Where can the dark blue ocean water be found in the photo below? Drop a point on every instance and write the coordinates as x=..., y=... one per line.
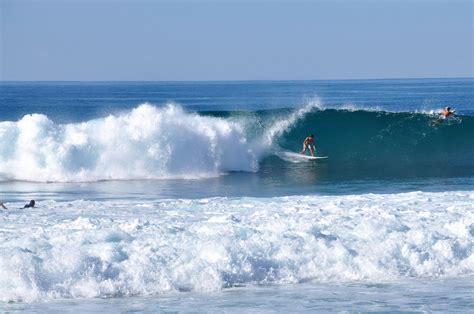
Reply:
x=82, y=101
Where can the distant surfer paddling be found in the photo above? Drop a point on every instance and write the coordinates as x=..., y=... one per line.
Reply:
x=309, y=143
x=445, y=113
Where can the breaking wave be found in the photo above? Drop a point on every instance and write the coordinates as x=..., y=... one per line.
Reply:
x=151, y=142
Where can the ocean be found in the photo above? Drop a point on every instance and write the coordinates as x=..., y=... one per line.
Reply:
x=190, y=196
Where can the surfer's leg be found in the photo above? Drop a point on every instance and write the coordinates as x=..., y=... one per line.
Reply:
x=304, y=149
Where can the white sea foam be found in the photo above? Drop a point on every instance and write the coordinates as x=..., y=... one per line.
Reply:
x=147, y=142
x=119, y=248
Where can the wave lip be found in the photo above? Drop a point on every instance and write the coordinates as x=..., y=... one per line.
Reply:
x=122, y=248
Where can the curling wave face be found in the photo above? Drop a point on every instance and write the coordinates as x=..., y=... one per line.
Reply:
x=123, y=248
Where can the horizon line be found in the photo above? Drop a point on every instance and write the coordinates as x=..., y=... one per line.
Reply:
x=240, y=80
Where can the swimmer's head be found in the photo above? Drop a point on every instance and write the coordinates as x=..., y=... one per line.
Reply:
x=311, y=135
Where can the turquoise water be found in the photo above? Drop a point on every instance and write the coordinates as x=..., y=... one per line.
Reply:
x=425, y=296
x=172, y=196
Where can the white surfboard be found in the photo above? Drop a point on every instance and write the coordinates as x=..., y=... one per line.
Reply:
x=314, y=157
x=296, y=157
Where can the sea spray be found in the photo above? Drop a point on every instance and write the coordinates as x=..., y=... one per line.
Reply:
x=280, y=126
x=147, y=142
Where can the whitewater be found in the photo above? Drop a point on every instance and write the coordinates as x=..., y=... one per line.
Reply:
x=145, y=143
x=90, y=249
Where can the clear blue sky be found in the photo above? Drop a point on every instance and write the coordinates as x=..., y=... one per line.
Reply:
x=234, y=40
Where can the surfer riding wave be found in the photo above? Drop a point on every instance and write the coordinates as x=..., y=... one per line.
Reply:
x=309, y=143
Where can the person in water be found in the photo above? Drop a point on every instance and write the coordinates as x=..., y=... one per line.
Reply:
x=30, y=204
x=447, y=111
x=3, y=205
x=309, y=143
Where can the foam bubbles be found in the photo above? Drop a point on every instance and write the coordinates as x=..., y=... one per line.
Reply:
x=122, y=248
x=147, y=142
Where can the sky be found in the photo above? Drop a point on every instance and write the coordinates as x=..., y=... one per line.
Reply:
x=194, y=40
